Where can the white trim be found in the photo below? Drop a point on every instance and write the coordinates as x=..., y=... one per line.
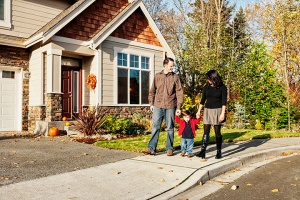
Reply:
x=71, y=41
x=6, y=23
x=54, y=52
x=66, y=20
x=134, y=43
x=100, y=71
x=37, y=38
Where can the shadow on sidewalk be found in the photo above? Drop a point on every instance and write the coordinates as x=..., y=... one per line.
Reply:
x=242, y=146
x=239, y=146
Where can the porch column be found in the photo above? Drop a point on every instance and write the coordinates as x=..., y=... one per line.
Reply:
x=54, y=96
x=54, y=71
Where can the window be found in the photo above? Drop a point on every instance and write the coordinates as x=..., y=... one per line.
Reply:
x=5, y=12
x=133, y=78
x=8, y=74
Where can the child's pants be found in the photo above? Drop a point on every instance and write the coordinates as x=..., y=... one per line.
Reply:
x=187, y=145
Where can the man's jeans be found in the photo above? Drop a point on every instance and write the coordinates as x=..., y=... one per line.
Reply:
x=187, y=145
x=158, y=115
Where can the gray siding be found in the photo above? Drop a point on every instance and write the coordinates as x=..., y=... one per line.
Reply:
x=28, y=16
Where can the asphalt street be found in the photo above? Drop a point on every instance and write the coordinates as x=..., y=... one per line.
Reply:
x=279, y=179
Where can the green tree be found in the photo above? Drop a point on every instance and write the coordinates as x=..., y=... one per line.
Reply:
x=260, y=89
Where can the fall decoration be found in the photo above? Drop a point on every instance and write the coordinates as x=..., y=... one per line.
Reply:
x=68, y=123
x=53, y=131
x=64, y=118
x=91, y=81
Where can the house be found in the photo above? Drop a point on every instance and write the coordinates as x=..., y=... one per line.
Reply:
x=48, y=49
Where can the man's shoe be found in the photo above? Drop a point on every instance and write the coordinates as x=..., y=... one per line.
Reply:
x=182, y=154
x=189, y=155
x=169, y=153
x=148, y=152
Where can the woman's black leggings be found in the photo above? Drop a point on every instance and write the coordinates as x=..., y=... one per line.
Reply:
x=217, y=129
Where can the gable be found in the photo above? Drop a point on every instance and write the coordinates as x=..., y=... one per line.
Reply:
x=137, y=28
x=93, y=19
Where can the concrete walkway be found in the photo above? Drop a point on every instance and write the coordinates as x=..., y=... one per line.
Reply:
x=148, y=177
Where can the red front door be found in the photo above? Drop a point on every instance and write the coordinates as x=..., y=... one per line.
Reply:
x=71, y=89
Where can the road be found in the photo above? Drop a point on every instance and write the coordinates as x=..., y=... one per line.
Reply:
x=279, y=179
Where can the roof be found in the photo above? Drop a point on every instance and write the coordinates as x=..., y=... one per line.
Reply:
x=61, y=20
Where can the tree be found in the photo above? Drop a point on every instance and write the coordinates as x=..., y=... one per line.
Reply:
x=284, y=36
x=261, y=92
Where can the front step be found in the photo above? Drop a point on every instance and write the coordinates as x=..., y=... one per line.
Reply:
x=42, y=127
x=72, y=132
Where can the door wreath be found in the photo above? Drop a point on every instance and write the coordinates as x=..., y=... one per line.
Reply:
x=91, y=81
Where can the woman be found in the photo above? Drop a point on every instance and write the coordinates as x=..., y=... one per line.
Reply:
x=214, y=99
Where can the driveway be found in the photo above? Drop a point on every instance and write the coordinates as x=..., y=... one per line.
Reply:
x=30, y=157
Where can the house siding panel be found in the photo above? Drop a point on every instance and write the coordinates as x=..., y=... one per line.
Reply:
x=93, y=19
x=36, y=80
x=30, y=16
x=136, y=28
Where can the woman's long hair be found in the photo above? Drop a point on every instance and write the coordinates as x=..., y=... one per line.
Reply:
x=215, y=78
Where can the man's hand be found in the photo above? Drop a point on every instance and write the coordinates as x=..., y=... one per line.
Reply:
x=178, y=112
x=151, y=108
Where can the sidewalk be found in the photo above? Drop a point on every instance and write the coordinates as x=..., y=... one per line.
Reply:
x=148, y=177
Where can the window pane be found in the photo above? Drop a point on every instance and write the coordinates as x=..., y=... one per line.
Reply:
x=134, y=61
x=1, y=9
x=145, y=62
x=75, y=92
x=122, y=86
x=122, y=59
x=145, y=86
x=8, y=74
x=134, y=86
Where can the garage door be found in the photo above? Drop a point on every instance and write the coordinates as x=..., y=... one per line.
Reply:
x=10, y=100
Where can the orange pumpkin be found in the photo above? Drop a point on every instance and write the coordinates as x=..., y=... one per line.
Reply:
x=53, y=131
x=64, y=118
x=68, y=123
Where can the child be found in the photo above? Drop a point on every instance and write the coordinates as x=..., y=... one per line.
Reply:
x=187, y=129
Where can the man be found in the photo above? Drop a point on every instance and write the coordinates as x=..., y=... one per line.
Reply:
x=165, y=99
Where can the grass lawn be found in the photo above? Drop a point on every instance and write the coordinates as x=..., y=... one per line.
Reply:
x=139, y=143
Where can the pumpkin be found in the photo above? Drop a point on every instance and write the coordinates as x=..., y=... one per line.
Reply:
x=53, y=131
x=64, y=118
x=68, y=123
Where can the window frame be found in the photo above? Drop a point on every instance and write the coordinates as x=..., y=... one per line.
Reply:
x=116, y=67
x=6, y=23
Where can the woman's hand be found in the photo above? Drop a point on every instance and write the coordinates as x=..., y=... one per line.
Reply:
x=222, y=117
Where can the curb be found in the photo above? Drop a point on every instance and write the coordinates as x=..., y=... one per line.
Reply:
x=204, y=174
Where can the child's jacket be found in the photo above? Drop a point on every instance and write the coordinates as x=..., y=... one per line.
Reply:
x=181, y=123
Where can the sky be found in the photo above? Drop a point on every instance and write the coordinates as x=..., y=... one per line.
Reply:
x=243, y=3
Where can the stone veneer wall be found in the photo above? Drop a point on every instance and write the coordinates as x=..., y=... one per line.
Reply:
x=35, y=113
x=18, y=57
x=128, y=111
x=53, y=107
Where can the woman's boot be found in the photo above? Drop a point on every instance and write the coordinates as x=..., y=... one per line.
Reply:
x=219, y=146
x=203, y=147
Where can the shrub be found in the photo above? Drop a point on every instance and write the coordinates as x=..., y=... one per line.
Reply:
x=90, y=121
x=117, y=125
x=141, y=122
